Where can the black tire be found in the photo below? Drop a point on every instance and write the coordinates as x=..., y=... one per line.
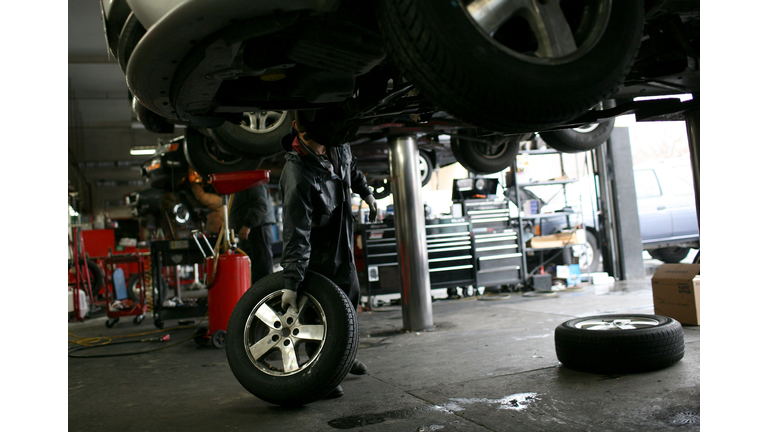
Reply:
x=207, y=157
x=484, y=155
x=138, y=319
x=469, y=291
x=111, y=322
x=95, y=273
x=500, y=83
x=588, y=253
x=258, y=135
x=594, y=344
x=130, y=35
x=426, y=167
x=579, y=139
x=132, y=288
x=670, y=255
x=318, y=369
x=380, y=188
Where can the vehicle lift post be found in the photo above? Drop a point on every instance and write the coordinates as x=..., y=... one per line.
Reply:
x=410, y=233
x=692, y=126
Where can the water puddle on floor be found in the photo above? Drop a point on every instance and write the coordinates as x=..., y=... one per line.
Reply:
x=517, y=402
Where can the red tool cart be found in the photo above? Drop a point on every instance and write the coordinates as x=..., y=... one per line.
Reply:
x=117, y=308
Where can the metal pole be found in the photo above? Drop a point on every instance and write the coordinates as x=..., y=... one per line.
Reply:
x=692, y=125
x=410, y=233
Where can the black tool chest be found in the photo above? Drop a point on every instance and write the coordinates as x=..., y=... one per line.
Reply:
x=498, y=260
x=479, y=249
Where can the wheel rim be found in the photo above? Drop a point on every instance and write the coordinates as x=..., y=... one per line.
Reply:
x=491, y=149
x=585, y=254
x=283, y=344
x=586, y=128
x=263, y=122
x=543, y=32
x=423, y=167
x=613, y=323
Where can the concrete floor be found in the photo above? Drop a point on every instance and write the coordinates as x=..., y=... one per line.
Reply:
x=489, y=366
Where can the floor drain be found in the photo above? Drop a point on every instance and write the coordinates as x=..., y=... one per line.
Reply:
x=686, y=418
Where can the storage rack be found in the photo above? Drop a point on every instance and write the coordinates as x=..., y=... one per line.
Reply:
x=538, y=219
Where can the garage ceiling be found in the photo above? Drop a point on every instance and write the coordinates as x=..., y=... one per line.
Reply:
x=102, y=128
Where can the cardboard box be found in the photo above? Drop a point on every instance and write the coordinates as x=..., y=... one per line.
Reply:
x=558, y=240
x=676, y=292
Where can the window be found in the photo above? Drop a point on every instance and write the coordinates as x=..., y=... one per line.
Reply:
x=646, y=184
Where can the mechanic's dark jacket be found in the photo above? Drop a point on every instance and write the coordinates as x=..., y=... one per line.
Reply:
x=252, y=208
x=317, y=212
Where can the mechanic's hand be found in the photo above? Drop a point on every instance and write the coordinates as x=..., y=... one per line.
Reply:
x=289, y=299
x=243, y=233
x=372, y=207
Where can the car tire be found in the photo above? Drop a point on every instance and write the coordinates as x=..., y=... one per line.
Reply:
x=616, y=344
x=288, y=367
x=206, y=157
x=579, y=139
x=498, y=82
x=426, y=168
x=258, y=135
x=95, y=272
x=670, y=255
x=484, y=156
x=588, y=254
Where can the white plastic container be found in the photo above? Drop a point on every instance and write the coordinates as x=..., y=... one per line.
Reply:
x=82, y=302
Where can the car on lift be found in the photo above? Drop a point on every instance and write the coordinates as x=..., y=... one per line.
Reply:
x=502, y=68
x=505, y=68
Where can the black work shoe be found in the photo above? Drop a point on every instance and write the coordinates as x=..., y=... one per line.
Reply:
x=337, y=392
x=358, y=368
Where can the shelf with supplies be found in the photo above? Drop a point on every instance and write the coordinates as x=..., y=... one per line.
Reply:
x=541, y=245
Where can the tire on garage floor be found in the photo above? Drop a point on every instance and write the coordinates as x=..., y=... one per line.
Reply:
x=615, y=344
x=289, y=358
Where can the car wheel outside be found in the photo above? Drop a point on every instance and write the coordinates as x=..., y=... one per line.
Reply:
x=206, y=157
x=257, y=135
x=526, y=66
x=588, y=254
x=613, y=344
x=297, y=357
x=670, y=255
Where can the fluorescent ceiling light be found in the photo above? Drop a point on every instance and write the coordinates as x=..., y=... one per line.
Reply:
x=143, y=151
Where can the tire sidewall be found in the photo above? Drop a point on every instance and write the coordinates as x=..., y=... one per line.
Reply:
x=204, y=164
x=235, y=139
x=333, y=361
x=569, y=326
x=571, y=141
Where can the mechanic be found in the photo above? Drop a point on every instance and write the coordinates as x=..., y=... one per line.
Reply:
x=253, y=217
x=317, y=207
x=212, y=201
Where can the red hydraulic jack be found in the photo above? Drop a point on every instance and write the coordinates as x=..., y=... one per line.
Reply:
x=229, y=268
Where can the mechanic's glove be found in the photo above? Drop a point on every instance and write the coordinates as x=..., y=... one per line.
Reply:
x=289, y=300
x=372, y=207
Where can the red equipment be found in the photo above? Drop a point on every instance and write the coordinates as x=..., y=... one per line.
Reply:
x=229, y=269
x=135, y=309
